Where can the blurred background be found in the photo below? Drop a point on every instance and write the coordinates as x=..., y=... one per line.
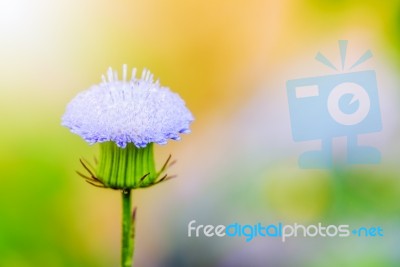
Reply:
x=230, y=61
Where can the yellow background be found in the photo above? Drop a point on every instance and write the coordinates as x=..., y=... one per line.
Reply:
x=229, y=60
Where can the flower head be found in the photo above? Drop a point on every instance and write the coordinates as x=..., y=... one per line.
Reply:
x=138, y=111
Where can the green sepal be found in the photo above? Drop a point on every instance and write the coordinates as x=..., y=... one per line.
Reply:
x=126, y=168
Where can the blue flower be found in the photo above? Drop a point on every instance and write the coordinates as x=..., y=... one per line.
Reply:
x=139, y=111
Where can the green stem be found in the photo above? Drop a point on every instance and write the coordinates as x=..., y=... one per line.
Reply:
x=128, y=230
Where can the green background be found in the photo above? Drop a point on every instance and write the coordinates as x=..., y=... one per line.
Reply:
x=229, y=60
